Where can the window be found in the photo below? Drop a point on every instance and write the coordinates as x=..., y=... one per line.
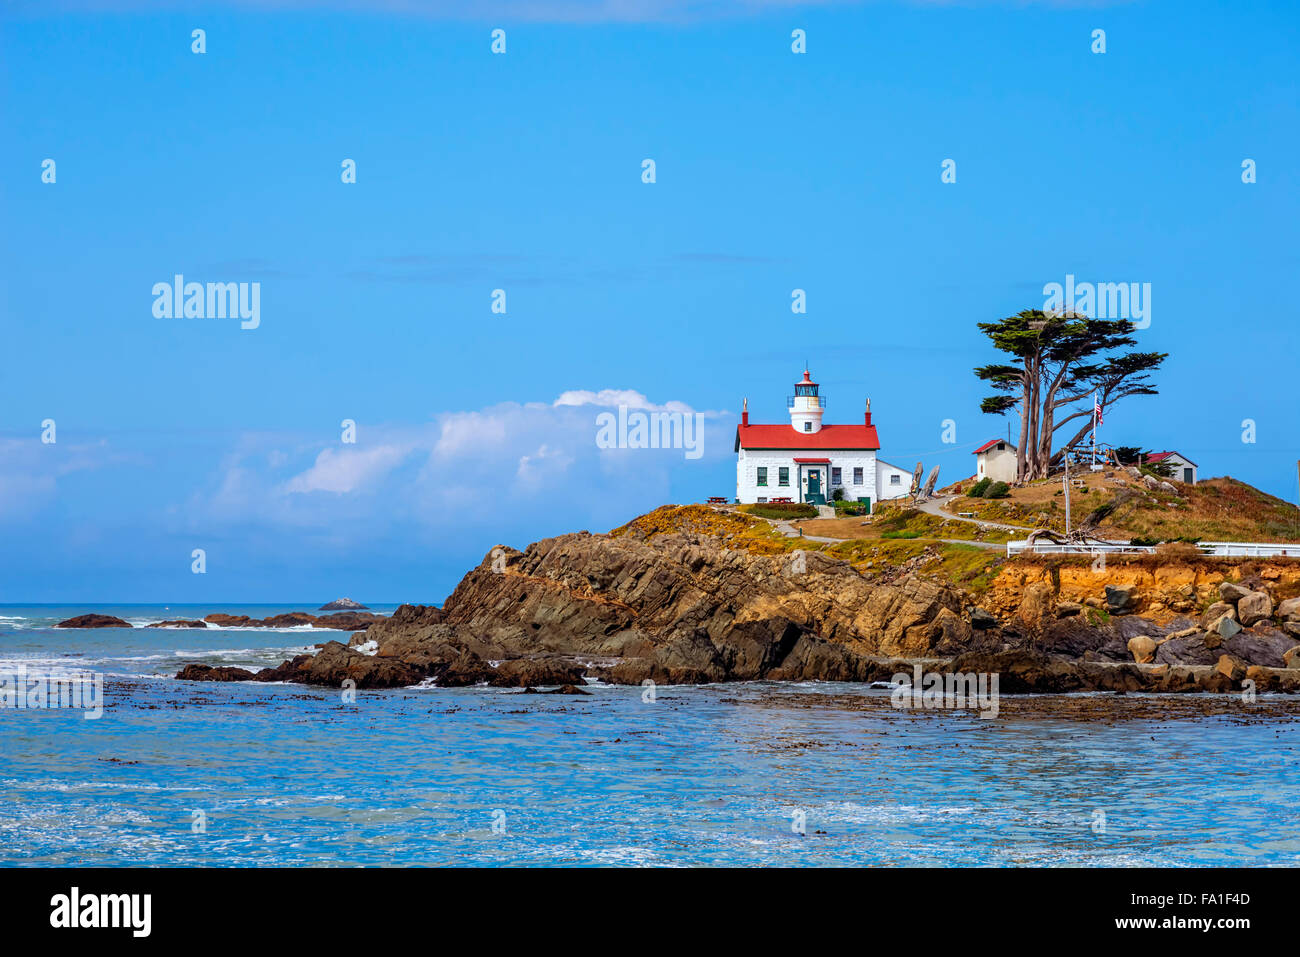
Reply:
x=762, y=476
x=807, y=426
x=783, y=476
x=762, y=499
x=895, y=479
x=857, y=476
x=835, y=477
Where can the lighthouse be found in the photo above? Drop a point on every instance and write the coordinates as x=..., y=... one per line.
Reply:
x=811, y=461
x=806, y=406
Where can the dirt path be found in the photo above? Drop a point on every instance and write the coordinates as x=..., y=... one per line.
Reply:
x=789, y=531
x=935, y=507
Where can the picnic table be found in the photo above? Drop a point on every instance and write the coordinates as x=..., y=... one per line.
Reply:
x=717, y=500
x=779, y=501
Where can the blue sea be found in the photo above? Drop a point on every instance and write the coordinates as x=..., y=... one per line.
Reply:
x=176, y=773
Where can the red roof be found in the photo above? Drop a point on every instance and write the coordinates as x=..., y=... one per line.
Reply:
x=989, y=444
x=1161, y=456
x=783, y=436
x=813, y=461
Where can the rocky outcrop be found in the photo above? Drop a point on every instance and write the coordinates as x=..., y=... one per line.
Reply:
x=178, y=623
x=343, y=621
x=343, y=604
x=678, y=608
x=93, y=621
x=681, y=605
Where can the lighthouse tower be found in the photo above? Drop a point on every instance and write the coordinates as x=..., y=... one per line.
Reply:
x=806, y=406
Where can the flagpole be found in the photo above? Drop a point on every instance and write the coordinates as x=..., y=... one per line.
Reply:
x=1094, y=430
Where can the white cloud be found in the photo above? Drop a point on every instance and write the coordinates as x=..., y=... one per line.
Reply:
x=346, y=470
x=613, y=398
x=461, y=470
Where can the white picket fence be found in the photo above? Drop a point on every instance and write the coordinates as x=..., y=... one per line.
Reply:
x=1220, y=549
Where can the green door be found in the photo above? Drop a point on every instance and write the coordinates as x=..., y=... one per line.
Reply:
x=815, y=496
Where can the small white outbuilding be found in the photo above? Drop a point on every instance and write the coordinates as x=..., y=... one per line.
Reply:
x=996, y=460
x=1184, y=468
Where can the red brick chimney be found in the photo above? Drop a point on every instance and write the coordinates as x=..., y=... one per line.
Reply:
x=868, y=412
x=744, y=415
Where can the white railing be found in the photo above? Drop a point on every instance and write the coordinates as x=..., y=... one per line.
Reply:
x=1052, y=548
x=1247, y=549
x=1219, y=549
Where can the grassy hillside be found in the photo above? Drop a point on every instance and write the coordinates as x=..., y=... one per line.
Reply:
x=1220, y=509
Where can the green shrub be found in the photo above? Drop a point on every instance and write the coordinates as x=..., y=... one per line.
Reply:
x=837, y=495
x=979, y=488
x=782, y=510
x=998, y=490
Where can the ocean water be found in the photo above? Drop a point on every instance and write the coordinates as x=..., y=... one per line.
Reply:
x=176, y=773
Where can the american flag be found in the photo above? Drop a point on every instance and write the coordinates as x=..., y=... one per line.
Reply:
x=1096, y=411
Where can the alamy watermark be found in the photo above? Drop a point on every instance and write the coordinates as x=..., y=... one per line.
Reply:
x=179, y=299
x=937, y=691
x=31, y=691
x=651, y=430
x=1101, y=300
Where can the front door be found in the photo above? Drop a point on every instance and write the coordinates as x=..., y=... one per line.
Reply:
x=1187, y=476
x=815, y=496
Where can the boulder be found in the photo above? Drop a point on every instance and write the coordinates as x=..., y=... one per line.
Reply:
x=1217, y=611
x=1225, y=625
x=1292, y=628
x=1067, y=609
x=1289, y=609
x=982, y=620
x=1232, y=668
x=1121, y=599
x=1143, y=649
x=1254, y=606
x=1231, y=592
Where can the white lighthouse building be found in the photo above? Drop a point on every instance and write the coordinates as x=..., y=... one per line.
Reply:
x=808, y=461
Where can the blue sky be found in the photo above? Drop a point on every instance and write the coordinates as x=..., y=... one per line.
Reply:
x=522, y=172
